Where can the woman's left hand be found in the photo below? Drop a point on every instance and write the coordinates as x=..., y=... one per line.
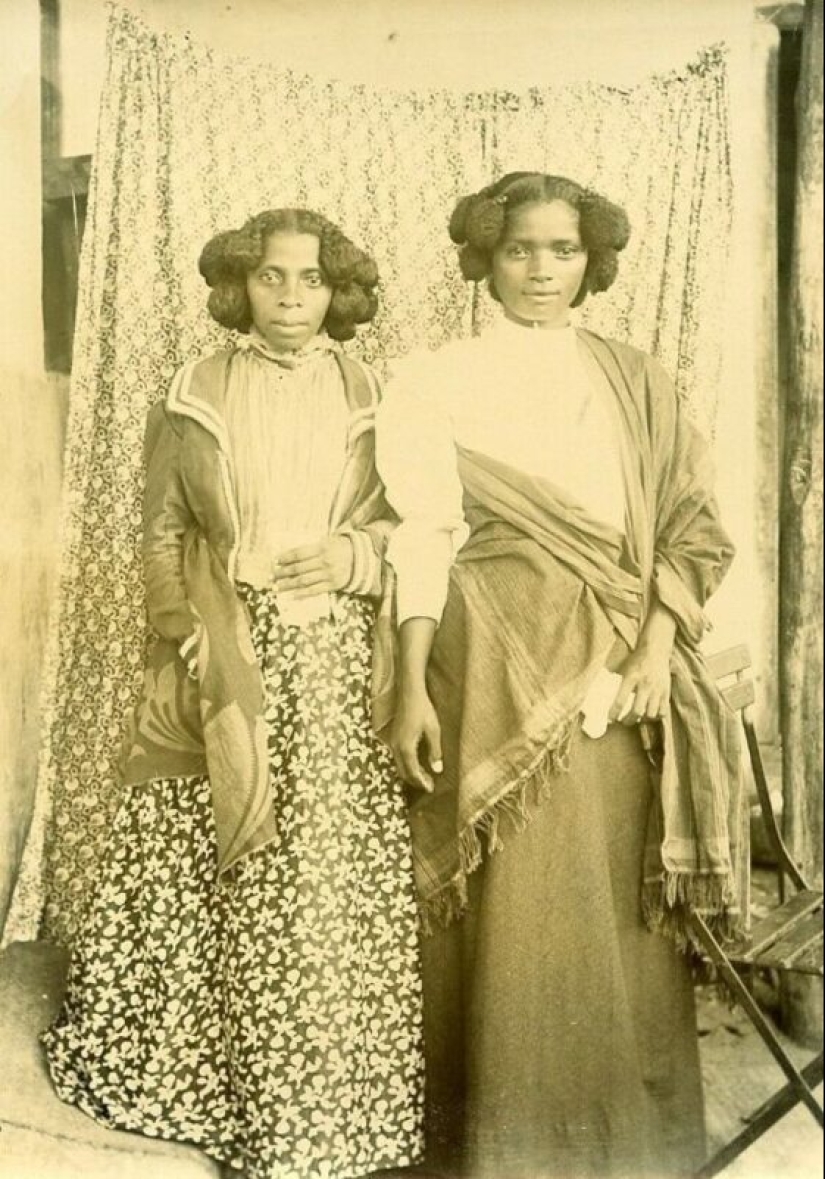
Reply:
x=323, y=567
x=645, y=691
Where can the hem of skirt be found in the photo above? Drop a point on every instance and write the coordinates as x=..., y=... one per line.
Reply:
x=235, y=1157
x=80, y=1096
x=121, y=1122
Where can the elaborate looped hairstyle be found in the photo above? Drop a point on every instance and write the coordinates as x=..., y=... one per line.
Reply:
x=479, y=221
x=229, y=257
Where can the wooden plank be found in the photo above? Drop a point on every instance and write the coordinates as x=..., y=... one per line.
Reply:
x=796, y=944
x=729, y=662
x=810, y=960
x=766, y=931
x=739, y=695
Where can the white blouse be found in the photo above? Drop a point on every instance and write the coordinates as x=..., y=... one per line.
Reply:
x=287, y=418
x=523, y=396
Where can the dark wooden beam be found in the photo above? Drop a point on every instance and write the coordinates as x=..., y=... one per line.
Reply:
x=801, y=514
x=66, y=177
x=50, y=95
x=801, y=540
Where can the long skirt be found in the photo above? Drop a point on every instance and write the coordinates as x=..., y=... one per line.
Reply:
x=274, y=1018
x=560, y=1032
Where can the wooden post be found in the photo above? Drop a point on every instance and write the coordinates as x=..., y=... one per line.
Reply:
x=765, y=58
x=50, y=102
x=801, y=597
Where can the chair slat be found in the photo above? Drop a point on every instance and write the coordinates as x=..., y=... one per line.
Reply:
x=794, y=944
x=789, y=937
x=729, y=661
x=739, y=695
x=770, y=928
x=810, y=960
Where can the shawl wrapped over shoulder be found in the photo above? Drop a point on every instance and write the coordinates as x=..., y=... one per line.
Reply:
x=214, y=723
x=540, y=595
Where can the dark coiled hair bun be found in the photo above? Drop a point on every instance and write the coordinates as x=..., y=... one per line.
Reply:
x=479, y=221
x=230, y=256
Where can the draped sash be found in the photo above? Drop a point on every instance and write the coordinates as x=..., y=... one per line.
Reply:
x=214, y=723
x=541, y=597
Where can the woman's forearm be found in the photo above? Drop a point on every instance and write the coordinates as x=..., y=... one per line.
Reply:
x=415, y=642
x=658, y=631
x=416, y=734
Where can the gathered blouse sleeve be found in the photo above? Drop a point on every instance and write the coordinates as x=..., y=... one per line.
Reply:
x=416, y=459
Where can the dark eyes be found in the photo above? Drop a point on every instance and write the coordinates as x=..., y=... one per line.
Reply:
x=313, y=279
x=563, y=251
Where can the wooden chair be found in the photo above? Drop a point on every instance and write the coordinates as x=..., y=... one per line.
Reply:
x=789, y=938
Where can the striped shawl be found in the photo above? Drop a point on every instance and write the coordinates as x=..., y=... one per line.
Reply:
x=540, y=597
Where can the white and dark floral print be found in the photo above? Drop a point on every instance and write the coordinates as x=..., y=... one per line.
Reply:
x=272, y=1018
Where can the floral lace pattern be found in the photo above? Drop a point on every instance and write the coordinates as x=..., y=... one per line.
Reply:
x=172, y=166
x=272, y=1019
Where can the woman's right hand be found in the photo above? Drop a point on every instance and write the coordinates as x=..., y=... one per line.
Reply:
x=415, y=739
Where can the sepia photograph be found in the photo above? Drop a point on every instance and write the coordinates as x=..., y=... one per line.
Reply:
x=411, y=589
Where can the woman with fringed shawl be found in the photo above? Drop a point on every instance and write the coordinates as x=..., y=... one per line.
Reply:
x=558, y=540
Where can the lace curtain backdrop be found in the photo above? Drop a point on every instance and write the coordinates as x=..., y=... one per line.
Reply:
x=191, y=142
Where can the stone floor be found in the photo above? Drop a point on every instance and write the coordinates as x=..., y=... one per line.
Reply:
x=40, y=1138
x=739, y=1074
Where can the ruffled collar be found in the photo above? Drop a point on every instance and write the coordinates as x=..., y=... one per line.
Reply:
x=316, y=348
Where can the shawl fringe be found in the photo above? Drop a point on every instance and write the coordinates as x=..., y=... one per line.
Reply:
x=515, y=803
x=668, y=902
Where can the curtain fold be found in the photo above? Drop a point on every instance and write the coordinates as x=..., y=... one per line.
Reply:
x=175, y=162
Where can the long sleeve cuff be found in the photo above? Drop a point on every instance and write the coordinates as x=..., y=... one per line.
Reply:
x=422, y=560
x=365, y=578
x=424, y=599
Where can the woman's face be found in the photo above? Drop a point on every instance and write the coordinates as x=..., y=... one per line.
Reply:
x=288, y=293
x=539, y=264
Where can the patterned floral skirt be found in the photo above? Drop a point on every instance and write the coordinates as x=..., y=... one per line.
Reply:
x=273, y=1018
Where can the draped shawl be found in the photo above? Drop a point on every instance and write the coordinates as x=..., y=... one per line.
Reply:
x=539, y=596
x=214, y=723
